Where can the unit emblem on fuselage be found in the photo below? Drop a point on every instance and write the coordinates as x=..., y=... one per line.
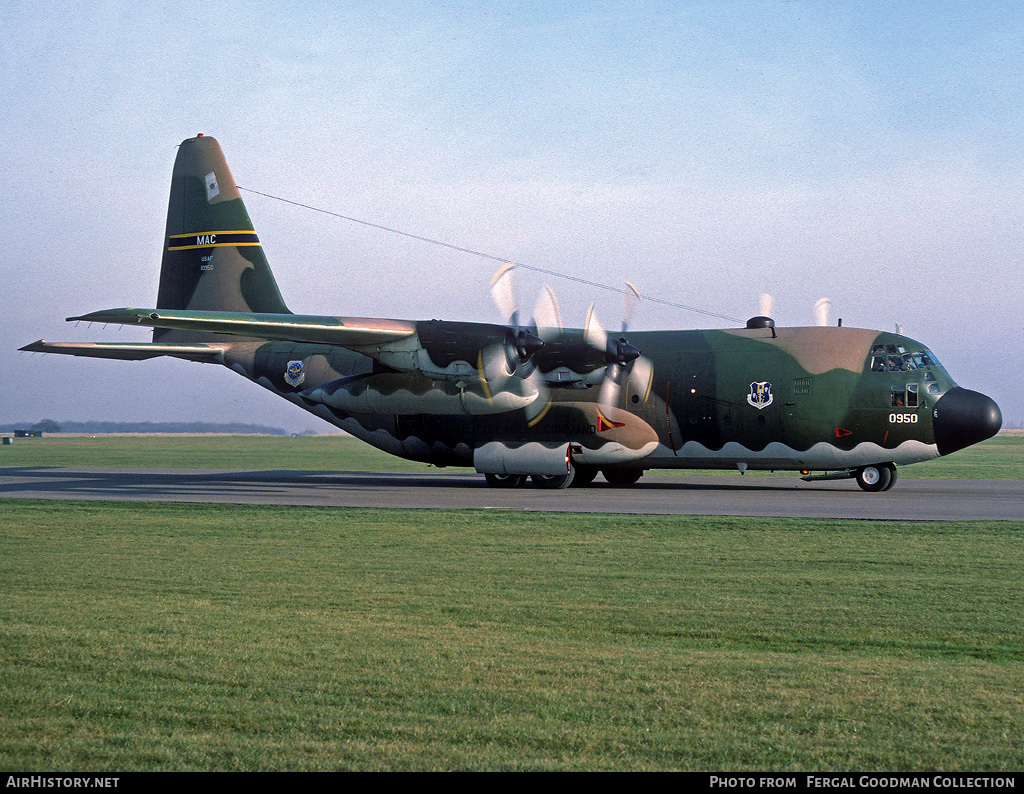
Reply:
x=760, y=394
x=294, y=375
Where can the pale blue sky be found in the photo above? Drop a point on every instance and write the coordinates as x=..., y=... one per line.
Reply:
x=870, y=152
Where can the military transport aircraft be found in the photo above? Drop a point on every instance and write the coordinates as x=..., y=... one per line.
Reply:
x=532, y=399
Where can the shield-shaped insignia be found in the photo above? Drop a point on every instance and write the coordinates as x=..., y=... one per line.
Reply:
x=760, y=394
x=212, y=188
x=294, y=374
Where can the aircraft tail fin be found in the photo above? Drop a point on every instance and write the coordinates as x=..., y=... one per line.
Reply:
x=212, y=259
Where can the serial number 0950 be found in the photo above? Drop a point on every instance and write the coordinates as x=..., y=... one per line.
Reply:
x=903, y=419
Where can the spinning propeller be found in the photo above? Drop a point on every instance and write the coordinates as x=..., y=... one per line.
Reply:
x=822, y=309
x=510, y=365
x=513, y=359
x=625, y=365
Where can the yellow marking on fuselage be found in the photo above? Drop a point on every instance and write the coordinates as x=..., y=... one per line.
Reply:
x=209, y=239
x=483, y=376
x=221, y=231
x=211, y=245
x=541, y=415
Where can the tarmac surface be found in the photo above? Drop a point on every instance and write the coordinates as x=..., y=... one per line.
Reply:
x=732, y=495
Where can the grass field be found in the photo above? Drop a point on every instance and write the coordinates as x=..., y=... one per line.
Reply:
x=208, y=637
x=999, y=458
x=149, y=636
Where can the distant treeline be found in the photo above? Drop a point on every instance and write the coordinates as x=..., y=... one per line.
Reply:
x=51, y=426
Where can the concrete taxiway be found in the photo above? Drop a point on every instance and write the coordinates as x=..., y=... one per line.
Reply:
x=910, y=499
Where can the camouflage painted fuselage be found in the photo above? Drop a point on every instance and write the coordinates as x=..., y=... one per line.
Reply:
x=821, y=405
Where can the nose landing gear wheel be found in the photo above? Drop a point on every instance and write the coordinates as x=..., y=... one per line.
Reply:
x=877, y=478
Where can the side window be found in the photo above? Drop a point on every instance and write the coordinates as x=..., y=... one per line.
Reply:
x=911, y=395
x=899, y=396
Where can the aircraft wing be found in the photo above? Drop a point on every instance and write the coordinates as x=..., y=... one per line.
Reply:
x=139, y=351
x=351, y=332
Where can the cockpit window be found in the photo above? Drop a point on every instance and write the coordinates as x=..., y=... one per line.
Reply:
x=893, y=358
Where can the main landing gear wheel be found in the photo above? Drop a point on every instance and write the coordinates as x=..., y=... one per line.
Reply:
x=554, y=481
x=622, y=476
x=877, y=478
x=505, y=480
x=584, y=476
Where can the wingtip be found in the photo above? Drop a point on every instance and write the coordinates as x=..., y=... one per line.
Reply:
x=121, y=316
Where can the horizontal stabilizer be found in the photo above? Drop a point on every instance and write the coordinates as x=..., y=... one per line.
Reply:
x=350, y=332
x=140, y=351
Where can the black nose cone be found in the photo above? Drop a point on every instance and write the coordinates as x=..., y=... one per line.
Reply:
x=963, y=417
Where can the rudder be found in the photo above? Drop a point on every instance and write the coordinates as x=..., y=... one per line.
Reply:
x=212, y=259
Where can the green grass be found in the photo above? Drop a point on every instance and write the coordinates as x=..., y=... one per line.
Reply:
x=999, y=458
x=149, y=636
x=209, y=637
x=304, y=453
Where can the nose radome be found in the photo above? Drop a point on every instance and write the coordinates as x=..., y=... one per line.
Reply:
x=963, y=417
